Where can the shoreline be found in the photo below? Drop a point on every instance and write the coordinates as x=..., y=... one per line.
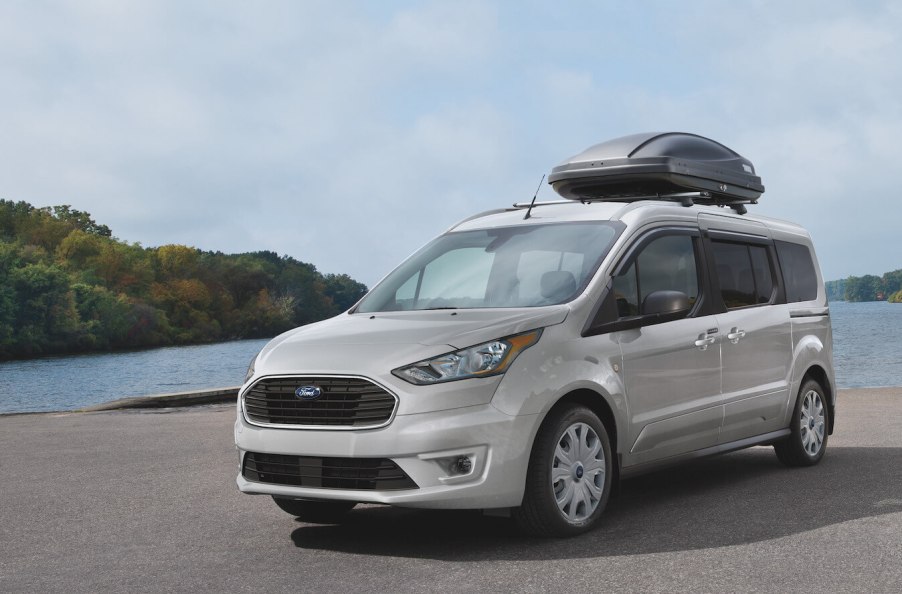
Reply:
x=168, y=400
x=120, y=351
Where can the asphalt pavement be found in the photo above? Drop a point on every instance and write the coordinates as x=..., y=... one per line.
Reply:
x=145, y=501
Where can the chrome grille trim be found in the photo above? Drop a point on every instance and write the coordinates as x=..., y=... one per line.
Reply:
x=374, y=401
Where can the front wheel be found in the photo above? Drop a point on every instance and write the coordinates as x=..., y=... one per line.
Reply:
x=315, y=511
x=568, y=482
x=807, y=441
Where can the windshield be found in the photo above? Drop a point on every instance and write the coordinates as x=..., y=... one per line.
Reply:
x=522, y=266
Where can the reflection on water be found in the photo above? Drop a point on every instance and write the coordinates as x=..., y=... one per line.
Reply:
x=866, y=344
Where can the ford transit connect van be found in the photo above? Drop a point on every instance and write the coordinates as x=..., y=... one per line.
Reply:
x=531, y=356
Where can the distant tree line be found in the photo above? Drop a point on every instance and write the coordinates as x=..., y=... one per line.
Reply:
x=867, y=288
x=67, y=285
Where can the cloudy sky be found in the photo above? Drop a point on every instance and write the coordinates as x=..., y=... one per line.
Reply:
x=346, y=134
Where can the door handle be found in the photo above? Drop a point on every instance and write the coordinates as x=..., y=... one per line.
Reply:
x=703, y=341
x=735, y=334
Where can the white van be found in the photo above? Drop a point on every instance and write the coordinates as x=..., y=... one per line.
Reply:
x=530, y=357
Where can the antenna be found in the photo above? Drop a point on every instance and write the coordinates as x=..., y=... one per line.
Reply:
x=531, y=204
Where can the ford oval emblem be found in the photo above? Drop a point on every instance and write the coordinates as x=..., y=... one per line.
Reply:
x=308, y=392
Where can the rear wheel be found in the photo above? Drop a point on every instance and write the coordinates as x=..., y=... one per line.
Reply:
x=315, y=511
x=568, y=482
x=807, y=441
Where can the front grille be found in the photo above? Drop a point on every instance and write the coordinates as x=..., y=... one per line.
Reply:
x=370, y=474
x=345, y=401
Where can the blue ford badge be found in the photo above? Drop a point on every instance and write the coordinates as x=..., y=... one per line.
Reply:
x=308, y=392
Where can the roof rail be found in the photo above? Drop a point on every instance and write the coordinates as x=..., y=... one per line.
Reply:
x=684, y=198
x=519, y=205
x=479, y=215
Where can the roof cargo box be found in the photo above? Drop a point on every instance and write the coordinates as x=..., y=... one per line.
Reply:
x=658, y=164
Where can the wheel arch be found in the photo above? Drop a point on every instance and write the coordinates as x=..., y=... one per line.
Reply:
x=597, y=403
x=819, y=374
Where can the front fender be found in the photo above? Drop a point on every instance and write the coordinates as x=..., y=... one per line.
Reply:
x=540, y=377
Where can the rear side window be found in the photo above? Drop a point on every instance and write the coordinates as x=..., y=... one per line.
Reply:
x=743, y=274
x=798, y=271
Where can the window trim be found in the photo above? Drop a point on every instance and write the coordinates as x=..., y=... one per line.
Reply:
x=737, y=237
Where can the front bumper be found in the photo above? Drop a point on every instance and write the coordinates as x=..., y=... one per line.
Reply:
x=424, y=446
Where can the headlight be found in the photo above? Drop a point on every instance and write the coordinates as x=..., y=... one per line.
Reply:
x=482, y=360
x=250, y=368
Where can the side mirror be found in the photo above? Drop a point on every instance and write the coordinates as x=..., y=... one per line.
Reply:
x=658, y=307
x=665, y=303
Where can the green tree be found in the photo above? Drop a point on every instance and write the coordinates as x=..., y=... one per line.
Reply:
x=67, y=285
x=13, y=217
x=343, y=290
x=892, y=281
x=80, y=220
x=862, y=288
x=46, y=318
x=79, y=253
x=148, y=326
x=9, y=259
x=123, y=268
x=177, y=261
x=44, y=230
x=836, y=290
x=104, y=317
x=186, y=302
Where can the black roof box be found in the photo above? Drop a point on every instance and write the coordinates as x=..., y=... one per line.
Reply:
x=658, y=164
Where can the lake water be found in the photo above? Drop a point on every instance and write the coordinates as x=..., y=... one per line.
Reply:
x=866, y=343
x=70, y=382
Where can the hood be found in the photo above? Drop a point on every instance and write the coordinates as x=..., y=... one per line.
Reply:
x=398, y=337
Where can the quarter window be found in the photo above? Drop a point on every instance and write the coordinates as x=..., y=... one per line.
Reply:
x=798, y=271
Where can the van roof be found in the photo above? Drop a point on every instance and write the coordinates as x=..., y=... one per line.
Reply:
x=632, y=213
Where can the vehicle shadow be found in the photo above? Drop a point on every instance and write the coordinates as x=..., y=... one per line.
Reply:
x=739, y=498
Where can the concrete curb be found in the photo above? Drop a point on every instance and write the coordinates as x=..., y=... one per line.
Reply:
x=168, y=400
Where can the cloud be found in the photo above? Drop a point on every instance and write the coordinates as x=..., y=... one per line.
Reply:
x=347, y=134
x=809, y=95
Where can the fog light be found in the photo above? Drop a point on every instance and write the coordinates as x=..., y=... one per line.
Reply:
x=463, y=465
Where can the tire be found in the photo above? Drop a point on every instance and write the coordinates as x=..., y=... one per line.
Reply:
x=565, y=493
x=315, y=512
x=807, y=441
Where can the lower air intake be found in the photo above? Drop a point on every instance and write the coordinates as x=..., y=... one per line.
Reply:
x=365, y=474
